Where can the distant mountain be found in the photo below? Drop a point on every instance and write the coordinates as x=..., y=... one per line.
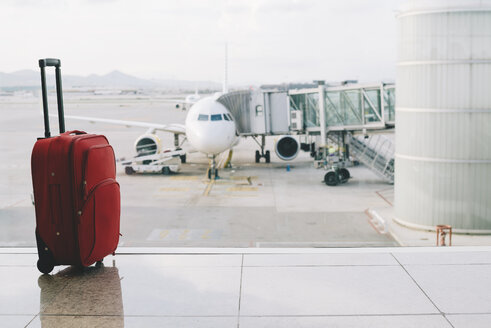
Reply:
x=115, y=79
x=24, y=78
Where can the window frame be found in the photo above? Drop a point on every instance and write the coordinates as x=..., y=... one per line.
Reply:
x=203, y=117
x=216, y=117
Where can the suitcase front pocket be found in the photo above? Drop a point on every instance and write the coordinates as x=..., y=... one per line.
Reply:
x=98, y=165
x=98, y=229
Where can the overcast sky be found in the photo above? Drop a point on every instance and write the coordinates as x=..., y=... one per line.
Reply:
x=269, y=40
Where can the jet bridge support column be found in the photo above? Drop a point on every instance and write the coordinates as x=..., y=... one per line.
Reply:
x=322, y=119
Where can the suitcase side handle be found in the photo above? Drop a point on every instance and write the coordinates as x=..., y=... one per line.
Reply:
x=43, y=63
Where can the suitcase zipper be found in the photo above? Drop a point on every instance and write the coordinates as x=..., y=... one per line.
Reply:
x=91, y=192
x=89, y=211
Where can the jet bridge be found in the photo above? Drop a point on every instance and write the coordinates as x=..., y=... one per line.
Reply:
x=260, y=113
x=335, y=113
x=345, y=108
x=315, y=111
x=320, y=114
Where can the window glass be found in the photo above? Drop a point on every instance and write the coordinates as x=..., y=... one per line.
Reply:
x=202, y=117
x=259, y=110
x=225, y=117
x=216, y=117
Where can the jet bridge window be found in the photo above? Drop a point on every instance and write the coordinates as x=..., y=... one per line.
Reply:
x=202, y=117
x=216, y=117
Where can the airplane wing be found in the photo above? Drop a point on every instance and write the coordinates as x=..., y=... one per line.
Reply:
x=172, y=128
x=179, y=102
x=171, y=100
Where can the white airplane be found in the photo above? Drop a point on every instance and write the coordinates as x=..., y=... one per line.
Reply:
x=185, y=102
x=209, y=128
x=190, y=100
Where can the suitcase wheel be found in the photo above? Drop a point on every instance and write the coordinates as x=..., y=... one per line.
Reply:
x=45, y=267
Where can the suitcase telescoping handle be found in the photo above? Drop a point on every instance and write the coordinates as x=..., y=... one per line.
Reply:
x=43, y=63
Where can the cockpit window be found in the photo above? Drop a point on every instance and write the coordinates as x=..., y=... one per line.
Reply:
x=229, y=116
x=202, y=117
x=216, y=117
x=225, y=117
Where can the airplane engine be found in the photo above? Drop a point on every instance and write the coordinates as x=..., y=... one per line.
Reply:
x=148, y=144
x=287, y=148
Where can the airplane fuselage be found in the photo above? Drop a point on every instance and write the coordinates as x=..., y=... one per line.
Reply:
x=210, y=128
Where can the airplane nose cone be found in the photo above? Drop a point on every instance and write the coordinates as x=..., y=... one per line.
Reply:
x=210, y=138
x=214, y=141
x=206, y=135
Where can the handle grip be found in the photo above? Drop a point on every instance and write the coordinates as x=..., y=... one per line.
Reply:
x=43, y=63
x=49, y=62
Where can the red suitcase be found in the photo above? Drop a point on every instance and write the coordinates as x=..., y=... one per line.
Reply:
x=76, y=196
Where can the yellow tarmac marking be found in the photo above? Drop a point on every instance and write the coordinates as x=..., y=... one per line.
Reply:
x=236, y=182
x=184, y=234
x=239, y=177
x=185, y=177
x=247, y=182
x=183, y=189
x=223, y=182
x=208, y=187
x=206, y=235
x=242, y=188
x=163, y=234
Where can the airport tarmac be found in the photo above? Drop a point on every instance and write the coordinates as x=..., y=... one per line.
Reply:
x=251, y=205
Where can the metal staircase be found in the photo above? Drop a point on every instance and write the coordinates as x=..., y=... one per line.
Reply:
x=376, y=152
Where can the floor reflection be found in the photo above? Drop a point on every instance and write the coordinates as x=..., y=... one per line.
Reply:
x=74, y=293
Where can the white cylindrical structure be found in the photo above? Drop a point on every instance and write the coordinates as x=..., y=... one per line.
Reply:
x=443, y=115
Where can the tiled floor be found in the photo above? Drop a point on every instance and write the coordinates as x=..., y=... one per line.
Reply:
x=243, y=288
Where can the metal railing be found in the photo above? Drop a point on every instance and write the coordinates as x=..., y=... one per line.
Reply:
x=376, y=152
x=346, y=107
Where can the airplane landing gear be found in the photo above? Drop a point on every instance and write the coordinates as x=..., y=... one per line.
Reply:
x=213, y=170
x=213, y=174
x=266, y=155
